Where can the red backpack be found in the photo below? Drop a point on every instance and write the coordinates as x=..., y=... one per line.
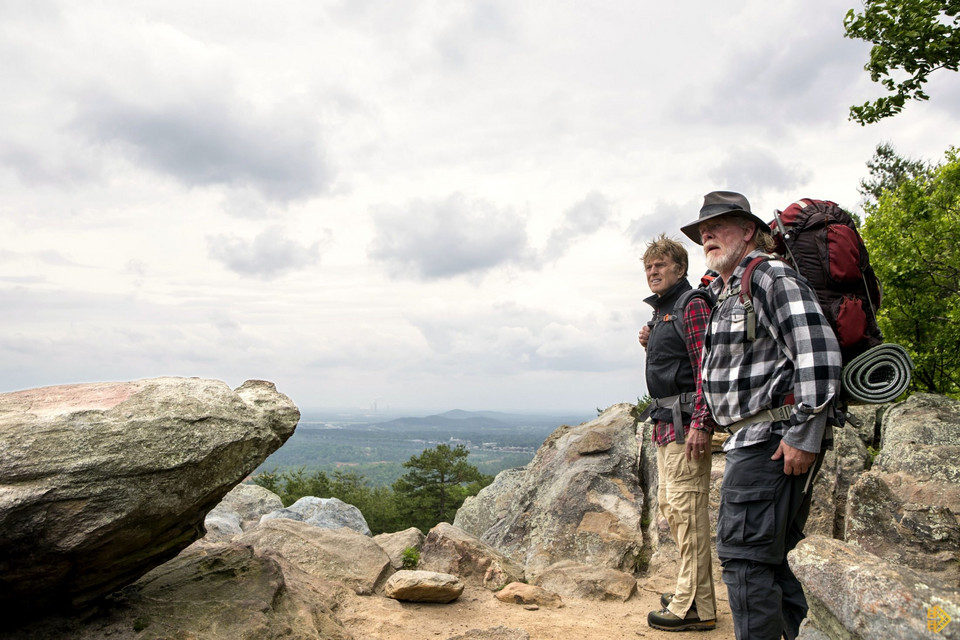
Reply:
x=820, y=240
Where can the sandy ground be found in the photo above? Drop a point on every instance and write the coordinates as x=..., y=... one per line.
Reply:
x=376, y=618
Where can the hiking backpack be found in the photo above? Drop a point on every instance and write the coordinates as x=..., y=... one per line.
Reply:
x=820, y=240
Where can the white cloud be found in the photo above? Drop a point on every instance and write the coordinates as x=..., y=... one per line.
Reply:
x=427, y=203
x=450, y=237
x=270, y=254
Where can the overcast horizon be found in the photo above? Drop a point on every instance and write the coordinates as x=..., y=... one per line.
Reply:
x=400, y=205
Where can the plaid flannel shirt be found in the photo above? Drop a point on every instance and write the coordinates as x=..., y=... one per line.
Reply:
x=695, y=317
x=795, y=352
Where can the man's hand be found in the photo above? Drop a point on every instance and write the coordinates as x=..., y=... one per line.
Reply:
x=644, y=335
x=698, y=444
x=795, y=461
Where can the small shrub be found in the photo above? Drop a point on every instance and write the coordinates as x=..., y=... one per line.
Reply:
x=411, y=558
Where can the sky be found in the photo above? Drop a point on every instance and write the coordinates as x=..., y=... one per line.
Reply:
x=405, y=205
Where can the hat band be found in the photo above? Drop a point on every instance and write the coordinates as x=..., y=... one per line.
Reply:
x=712, y=209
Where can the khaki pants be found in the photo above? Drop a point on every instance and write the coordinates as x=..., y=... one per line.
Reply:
x=684, y=495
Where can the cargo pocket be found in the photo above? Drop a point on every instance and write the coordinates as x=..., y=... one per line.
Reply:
x=747, y=516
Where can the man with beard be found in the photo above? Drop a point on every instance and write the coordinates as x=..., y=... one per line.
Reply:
x=674, y=342
x=774, y=392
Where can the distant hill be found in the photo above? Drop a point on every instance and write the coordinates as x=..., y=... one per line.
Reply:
x=377, y=449
x=458, y=421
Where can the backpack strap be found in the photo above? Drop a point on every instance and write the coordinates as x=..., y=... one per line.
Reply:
x=681, y=309
x=746, y=296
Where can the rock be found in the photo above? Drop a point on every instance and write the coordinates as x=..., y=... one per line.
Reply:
x=423, y=586
x=578, y=499
x=394, y=544
x=905, y=508
x=858, y=595
x=222, y=524
x=841, y=467
x=326, y=513
x=251, y=502
x=520, y=593
x=99, y=483
x=590, y=582
x=447, y=549
x=493, y=633
x=865, y=420
x=214, y=592
x=342, y=555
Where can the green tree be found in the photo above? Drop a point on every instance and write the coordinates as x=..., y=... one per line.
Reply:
x=913, y=235
x=888, y=170
x=437, y=483
x=910, y=37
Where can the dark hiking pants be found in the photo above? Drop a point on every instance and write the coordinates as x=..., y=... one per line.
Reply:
x=762, y=513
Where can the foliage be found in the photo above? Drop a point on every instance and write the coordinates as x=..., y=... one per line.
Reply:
x=888, y=170
x=410, y=558
x=913, y=236
x=642, y=404
x=437, y=483
x=910, y=37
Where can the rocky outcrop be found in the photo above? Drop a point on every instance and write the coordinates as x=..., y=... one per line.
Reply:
x=395, y=544
x=578, y=499
x=858, y=596
x=423, y=586
x=342, y=555
x=448, y=549
x=209, y=591
x=905, y=509
x=239, y=511
x=99, y=483
x=588, y=582
x=326, y=513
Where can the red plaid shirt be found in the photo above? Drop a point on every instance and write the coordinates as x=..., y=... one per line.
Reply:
x=696, y=316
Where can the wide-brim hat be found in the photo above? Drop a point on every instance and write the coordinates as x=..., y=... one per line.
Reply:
x=716, y=204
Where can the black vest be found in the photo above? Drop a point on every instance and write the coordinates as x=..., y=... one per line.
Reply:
x=668, y=367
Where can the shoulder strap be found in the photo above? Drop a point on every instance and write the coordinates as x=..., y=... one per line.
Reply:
x=746, y=296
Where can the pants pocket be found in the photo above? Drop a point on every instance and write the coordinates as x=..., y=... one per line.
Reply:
x=747, y=516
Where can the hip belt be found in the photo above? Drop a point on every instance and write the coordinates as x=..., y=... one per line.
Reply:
x=767, y=415
x=677, y=404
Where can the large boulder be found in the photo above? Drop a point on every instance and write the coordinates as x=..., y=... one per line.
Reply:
x=394, y=544
x=578, y=499
x=341, y=555
x=423, y=586
x=905, y=508
x=448, y=549
x=99, y=483
x=209, y=591
x=857, y=595
x=326, y=513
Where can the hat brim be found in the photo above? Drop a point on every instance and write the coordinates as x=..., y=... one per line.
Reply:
x=692, y=229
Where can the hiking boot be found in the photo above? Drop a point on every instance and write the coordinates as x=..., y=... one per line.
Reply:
x=667, y=598
x=666, y=621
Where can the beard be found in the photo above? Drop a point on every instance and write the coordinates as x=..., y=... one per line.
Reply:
x=725, y=260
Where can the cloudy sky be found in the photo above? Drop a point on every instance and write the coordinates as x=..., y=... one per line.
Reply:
x=413, y=205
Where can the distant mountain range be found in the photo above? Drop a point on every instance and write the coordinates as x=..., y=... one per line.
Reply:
x=458, y=421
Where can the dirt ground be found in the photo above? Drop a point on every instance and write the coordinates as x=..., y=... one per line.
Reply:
x=376, y=618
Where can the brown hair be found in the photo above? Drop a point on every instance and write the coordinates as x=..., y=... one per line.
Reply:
x=667, y=248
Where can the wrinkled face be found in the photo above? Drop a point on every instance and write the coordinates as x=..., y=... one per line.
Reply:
x=662, y=273
x=724, y=242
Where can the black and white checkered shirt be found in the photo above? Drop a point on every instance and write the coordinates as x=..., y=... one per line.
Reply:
x=795, y=352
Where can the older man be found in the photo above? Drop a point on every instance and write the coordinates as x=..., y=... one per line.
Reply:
x=774, y=390
x=674, y=342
